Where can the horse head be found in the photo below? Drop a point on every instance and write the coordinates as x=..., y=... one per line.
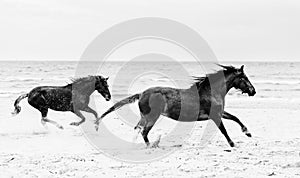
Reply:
x=102, y=87
x=242, y=82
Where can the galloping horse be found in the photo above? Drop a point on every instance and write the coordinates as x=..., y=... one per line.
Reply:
x=204, y=100
x=73, y=97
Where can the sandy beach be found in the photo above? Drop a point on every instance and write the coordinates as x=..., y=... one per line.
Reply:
x=30, y=150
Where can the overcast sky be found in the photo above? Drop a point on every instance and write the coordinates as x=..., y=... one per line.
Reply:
x=234, y=29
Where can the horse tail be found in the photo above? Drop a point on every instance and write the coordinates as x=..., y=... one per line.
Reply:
x=128, y=100
x=16, y=104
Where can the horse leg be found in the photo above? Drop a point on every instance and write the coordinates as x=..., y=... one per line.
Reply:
x=147, y=122
x=216, y=117
x=90, y=110
x=145, y=133
x=44, y=112
x=224, y=132
x=150, y=112
x=228, y=116
x=139, y=127
x=44, y=115
x=79, y=114
x=38, y=101
x=145, y=125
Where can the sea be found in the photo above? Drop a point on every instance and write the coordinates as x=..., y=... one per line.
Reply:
x=271, y=79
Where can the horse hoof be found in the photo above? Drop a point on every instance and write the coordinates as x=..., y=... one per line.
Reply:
x=96, y=127
x=155, y=144
x=13, y=114
x=43, y=123
x=74, y=124
x=231, y=144
x=248, y=134
x=45, y=126
x=97, y=121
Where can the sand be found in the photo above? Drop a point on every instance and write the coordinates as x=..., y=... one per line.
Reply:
x=27, y=149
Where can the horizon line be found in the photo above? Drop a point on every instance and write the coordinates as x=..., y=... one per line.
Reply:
x=67, y=60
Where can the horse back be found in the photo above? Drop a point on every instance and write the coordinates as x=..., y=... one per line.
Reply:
x=53, y=97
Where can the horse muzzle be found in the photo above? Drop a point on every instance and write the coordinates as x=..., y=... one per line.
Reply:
x=107, y=97
x=251, y=92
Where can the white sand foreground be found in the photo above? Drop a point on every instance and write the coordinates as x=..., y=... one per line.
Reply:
x=27, y=149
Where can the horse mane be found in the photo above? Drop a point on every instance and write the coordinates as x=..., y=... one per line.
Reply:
x=201, y=81
x=78, y=80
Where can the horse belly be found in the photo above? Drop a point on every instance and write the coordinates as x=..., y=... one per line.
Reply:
x=60, y=105
x=188, y=113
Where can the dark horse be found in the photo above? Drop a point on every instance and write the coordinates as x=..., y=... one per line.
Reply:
x=204, y=100
x=73, y=97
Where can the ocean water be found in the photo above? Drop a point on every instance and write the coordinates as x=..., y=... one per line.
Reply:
x=271, y=79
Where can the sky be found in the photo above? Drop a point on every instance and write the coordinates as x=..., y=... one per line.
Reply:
x=236, y=30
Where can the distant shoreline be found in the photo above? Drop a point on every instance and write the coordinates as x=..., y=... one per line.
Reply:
x=116, y=61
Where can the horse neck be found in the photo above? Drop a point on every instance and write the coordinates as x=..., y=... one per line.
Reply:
x=223, y=84
x=85, y=88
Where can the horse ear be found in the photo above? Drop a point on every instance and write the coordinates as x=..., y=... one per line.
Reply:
x=98, y=78
x=242, y=68
x=106, y=78
x=229, y=68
